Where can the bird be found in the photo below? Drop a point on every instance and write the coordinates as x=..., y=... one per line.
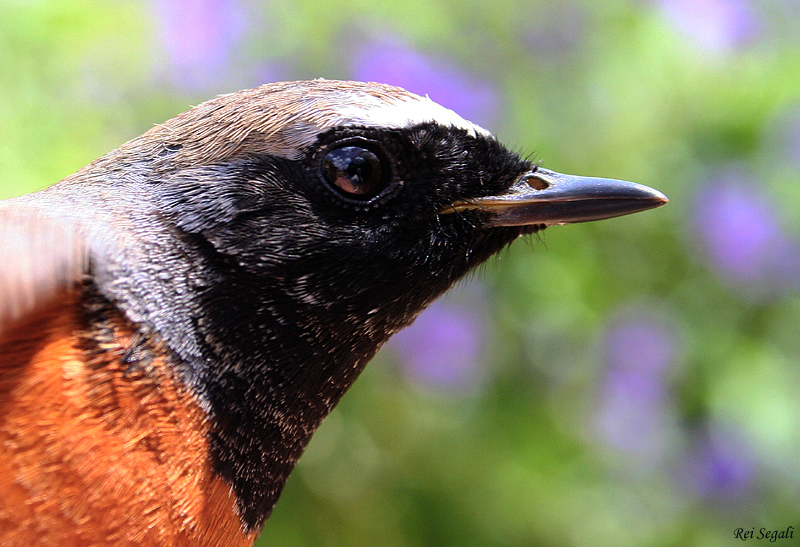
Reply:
x=178, y=317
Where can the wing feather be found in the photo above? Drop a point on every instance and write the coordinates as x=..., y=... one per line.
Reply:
x=40, y=257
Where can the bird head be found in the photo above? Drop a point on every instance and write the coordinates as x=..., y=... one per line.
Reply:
x=360, y=198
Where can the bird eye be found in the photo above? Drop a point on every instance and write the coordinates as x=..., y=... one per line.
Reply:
x=355, y=171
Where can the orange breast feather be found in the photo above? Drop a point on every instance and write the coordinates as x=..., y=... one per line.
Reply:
x=96, y=452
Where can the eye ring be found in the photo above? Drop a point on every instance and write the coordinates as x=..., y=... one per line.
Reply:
x=358, y=171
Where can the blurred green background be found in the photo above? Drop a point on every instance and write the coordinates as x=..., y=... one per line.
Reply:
x=631, y=382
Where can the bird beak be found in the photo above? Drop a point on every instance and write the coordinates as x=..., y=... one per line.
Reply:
x=547, y=197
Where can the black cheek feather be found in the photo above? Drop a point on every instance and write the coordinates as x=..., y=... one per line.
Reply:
x=301, y=288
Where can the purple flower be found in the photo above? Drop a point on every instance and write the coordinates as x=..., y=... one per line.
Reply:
x=739, y=232
x=717, y=26
x=633, y=407
x=640, y=342
x=396, y=64
x=444, y=347
x=721, y=464
x=199, y=37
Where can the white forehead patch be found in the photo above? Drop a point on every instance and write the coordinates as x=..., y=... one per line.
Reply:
x=284, y=119
x=401, y=112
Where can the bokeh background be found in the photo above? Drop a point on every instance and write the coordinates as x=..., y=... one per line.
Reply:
x=632, y=382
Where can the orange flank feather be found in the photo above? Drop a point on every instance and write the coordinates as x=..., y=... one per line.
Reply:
x=97, y=451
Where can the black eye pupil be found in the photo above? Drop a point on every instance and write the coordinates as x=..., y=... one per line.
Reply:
x=354, y=170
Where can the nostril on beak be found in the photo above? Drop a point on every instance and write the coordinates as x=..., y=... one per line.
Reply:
x=534, y=182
